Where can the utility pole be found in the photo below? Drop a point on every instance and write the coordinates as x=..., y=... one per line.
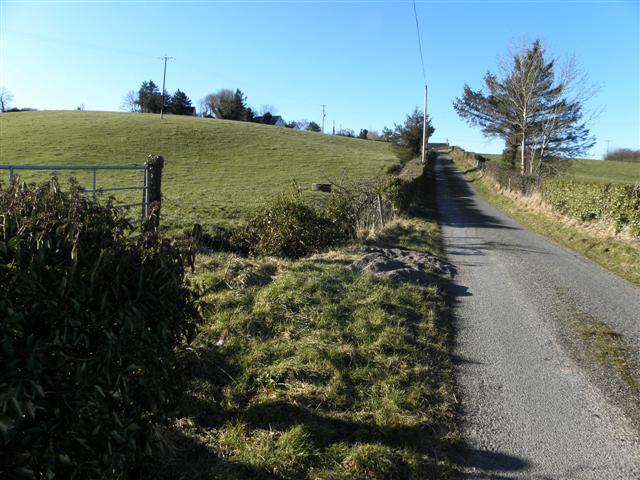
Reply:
x=164, y=77
x=608, y=142
x=334, y=127
x=424, y=127
x=323, y=115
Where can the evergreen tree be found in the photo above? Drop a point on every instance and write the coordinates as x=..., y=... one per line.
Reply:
x=239, y=106
x=266, y=118
x=149, y=97
x=180, y=104
x=531, y=109
x=408, y=136
x=313, y=127
x=249, y=114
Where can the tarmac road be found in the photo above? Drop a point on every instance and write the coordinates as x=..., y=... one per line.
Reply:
x=529, y=409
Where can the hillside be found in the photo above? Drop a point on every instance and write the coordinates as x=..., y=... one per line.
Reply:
x=603, y=170
x=595, y=170
x=215, y=170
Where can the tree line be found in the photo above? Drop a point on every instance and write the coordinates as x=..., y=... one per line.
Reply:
x=623, y=155
x=149, y=99
x=229, y=104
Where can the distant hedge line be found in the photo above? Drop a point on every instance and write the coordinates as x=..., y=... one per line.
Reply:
x=614, y=202
x=510, y=179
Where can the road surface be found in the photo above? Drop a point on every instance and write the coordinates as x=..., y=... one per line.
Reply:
x=529, y=410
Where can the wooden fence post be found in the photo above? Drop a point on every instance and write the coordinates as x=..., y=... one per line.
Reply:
x=380, y=210
x=154, y=165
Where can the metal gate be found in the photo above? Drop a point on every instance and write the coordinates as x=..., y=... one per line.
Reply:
x=94, y=190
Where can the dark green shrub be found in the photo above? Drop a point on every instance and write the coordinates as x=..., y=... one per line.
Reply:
x=400, y=192
x=290, y=228
x=91, y=319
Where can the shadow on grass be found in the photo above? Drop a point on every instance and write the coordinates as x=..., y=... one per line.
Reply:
x=191, y=454
x=192, y=459
x=198, y=454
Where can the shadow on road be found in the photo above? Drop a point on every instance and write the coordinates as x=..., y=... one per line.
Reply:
x=486, y=464
x=457, y=208
x=463, y=213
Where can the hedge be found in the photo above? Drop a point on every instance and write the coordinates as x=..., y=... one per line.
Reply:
x=617, y=203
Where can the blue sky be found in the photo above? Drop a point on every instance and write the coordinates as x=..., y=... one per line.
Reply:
x=360, y=58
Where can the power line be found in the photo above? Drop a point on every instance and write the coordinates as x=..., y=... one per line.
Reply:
x=415, y=14
x=425, y=137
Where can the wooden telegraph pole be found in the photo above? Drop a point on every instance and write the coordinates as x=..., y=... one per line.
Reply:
x=164, y=77
x=425, y=139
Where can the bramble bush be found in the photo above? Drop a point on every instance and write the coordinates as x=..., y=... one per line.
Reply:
x=617, y=203
x=291, y=227
x=91, y=321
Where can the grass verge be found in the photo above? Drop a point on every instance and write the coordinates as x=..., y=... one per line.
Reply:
x=307, y=370
x=615, y=254
x=607, y=348
x=418, y=230
x=608, y=360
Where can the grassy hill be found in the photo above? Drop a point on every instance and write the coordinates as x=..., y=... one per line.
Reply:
x=215, y=170
x=595, y=170
x=603, y=170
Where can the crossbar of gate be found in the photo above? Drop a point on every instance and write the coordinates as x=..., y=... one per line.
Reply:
x=94, y=180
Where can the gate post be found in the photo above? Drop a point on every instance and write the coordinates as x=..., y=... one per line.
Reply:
x=153, y=175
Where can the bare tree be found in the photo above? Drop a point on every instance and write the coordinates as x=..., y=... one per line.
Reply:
x=268, y=109
x=130, y=102
x=302, y=124
x=6, y=97
x=227, y=104
x=203, y=108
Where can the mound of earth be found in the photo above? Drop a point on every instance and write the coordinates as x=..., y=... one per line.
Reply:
x=402, y=266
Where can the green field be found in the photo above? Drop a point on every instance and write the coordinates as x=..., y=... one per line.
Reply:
x=216, y=171
x=603, y=170
x=594, y=170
